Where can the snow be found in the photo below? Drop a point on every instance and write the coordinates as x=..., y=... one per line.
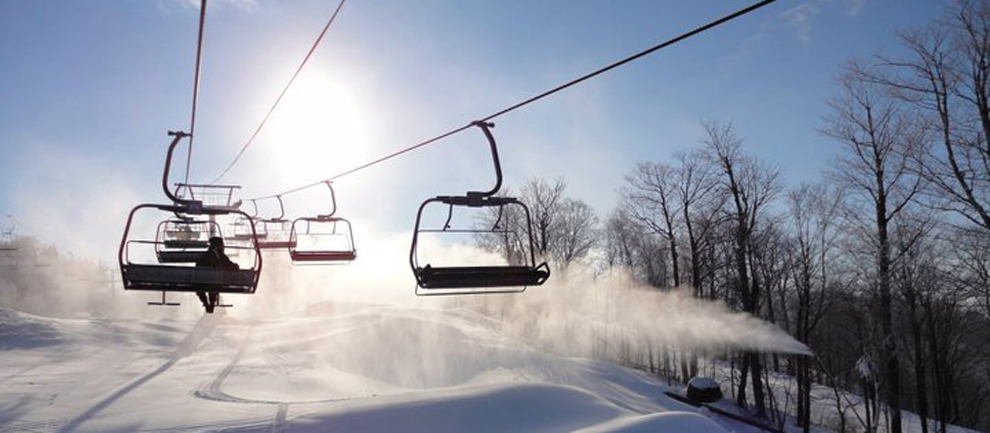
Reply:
x=362, y=368
x=703, y=383
x=661, y=422
x=865, y=368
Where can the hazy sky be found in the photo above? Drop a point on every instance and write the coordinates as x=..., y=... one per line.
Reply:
x=89, y=89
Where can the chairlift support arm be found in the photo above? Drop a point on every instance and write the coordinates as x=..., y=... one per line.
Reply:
x=193, y=206
x=486, y=128
x=333, y=201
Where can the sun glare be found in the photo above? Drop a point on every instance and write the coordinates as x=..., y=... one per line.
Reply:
x=317, y=130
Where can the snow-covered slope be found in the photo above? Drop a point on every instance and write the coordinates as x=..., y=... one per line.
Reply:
x=360, y=369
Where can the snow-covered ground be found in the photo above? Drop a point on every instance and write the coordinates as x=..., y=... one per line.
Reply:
x=357, y=368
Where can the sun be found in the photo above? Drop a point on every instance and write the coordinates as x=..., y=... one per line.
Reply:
x=317, y=130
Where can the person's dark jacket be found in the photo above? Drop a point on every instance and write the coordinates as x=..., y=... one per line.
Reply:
x=216, y=259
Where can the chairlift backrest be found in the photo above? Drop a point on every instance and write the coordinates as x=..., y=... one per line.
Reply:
x=241, y=229
x=277, y=229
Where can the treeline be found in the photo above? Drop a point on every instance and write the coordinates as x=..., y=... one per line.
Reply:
x=36, y=278
x=882, y=268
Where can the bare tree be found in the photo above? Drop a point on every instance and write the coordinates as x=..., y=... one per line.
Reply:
x=946, y=76
x=881, y=145
x=545, y=199
x=649, y=198
x=503, y=230
x=815, y=212
x=750, y=186
x=631, y=245
x=577, y=232
x=563, y=229
x=699, y=202
x=621, y=240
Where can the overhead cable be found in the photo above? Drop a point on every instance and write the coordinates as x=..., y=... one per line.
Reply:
x=199, y=57
x=578, y=80
x=284, y=90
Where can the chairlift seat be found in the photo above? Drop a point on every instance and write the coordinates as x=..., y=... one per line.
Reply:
x=247, y=236
x=310, y=253
x=322, y=256
x=273, y=245
x=452, y=277
x=188, y=279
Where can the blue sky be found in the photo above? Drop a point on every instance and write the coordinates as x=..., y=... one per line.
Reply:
x=89, y=89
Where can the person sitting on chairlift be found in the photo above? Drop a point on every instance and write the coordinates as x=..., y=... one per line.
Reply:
x=214, y=257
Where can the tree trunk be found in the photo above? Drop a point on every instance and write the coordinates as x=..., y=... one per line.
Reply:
x=756, y=364
x=888, y=350
x=695, y=279
x=919, y=361
x=743, y=374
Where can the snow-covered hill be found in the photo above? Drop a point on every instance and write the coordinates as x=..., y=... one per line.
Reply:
x=360, y=369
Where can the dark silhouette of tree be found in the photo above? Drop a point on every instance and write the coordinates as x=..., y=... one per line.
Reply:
x=750, y=187
x=881, y=144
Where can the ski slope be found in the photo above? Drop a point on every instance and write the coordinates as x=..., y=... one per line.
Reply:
x=358, y=368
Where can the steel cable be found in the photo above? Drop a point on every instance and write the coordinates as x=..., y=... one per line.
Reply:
x=530, y=100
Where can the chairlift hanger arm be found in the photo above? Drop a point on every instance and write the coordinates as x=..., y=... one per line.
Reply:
x=498, y=220
x=281, y=211
x=254, y=203
x=333, y=201
x=486, y=128
x=192, y=205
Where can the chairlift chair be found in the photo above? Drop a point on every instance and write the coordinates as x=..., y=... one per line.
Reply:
x=7, y=238
x=278, y=230
x=323, y=239
x=465, y=280
x=279, y=235
x=176, y=270
x=241, y=230
x=184, y=240
x=241, y=234
x=174, y=276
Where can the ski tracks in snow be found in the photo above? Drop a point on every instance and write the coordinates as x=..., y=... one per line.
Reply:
x=200, y=331
x=214, y=389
